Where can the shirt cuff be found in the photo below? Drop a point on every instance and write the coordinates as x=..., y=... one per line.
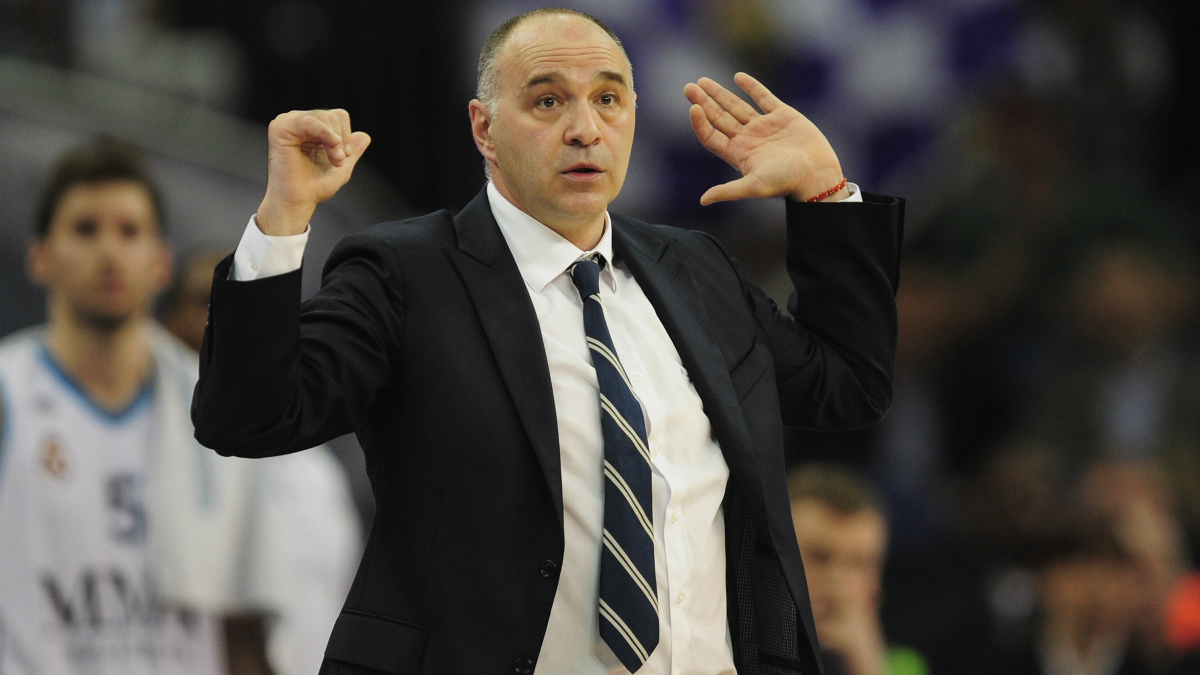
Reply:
x=259, y=256
x=855, y=194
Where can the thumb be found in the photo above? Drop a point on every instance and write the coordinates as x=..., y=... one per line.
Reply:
x=742, y=188
x=357, y=145
x=359, y=141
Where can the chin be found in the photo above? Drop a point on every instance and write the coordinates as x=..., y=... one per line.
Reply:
x=106, y=318
x=585, y=204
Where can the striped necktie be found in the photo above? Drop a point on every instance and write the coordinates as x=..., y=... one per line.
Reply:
x=628, y=594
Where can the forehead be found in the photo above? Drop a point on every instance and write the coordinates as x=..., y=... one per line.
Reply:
x=816, y=521
x=559, y=43
x=125, y=201
x=120, y=195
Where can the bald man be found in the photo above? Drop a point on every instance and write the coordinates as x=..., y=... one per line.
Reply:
x=572, y=419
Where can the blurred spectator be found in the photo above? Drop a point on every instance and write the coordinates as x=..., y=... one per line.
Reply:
x=184, y=306
x=1090, y=595
x=843, y=540
x=1122, y=381
x=1013, y=508
x=306, y=528
x=1137, y=499
x=1122, y=375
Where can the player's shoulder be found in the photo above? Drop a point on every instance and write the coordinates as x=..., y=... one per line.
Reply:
x=18, y=352
x=171, y=354
x=21, y=346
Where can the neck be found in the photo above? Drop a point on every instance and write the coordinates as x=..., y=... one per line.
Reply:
x=1082, y=635
x=111, y=362
x=583, y=231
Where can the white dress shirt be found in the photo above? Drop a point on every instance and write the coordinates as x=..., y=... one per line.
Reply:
x=689, y=471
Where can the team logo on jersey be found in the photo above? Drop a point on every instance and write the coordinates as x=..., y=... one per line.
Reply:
x=54, y=458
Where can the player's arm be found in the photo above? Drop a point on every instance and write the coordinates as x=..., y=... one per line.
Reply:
x=246, y=645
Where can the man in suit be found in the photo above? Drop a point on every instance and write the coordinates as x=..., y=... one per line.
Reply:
x=572, y=419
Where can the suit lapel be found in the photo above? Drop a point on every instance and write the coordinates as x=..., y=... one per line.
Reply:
x=658, y=265
x=494, y=282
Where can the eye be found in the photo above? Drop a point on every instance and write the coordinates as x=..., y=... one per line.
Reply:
x=85, y=227
x=608, y=99
x=129, y=230
x=546, y=102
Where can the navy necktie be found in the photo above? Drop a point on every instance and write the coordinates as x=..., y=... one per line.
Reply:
x=628, y=593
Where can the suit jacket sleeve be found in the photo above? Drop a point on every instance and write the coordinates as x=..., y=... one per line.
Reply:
x=835, y=355
x=277, y=377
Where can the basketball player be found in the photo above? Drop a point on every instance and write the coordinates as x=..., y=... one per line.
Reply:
x=119, y=536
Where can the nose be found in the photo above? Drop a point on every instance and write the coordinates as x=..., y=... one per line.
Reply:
x=109, y=242
x=582, y=129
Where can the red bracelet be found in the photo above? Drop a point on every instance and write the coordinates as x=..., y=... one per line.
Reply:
x=828, y=192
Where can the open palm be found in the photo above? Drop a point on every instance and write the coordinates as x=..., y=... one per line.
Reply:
x=778, y=151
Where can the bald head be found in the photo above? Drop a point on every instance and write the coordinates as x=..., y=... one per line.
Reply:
x=487, y=84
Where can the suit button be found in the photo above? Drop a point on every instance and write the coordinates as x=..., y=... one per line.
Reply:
x=549, y=569
x=523, y=666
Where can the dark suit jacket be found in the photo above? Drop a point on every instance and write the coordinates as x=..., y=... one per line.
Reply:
x=424, y=341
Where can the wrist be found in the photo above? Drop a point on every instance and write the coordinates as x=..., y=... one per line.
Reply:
x=838, y=196
x=283, y=220
x=833, y=190
x=827, y=185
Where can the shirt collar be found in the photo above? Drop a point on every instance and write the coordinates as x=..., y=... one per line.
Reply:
x=541, y=253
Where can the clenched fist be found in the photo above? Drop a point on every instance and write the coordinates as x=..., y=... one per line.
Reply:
x=311, y=156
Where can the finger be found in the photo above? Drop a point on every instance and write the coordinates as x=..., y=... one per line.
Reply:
x=343, y=120
x=730, y=101
x=717, y=116
x=358, y=141
x=334, y=120
x=311, y=128
x=716, y=142
x=761, y=95
x=742, y=188
x=325, y=131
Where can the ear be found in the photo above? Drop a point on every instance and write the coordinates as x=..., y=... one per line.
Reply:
x=37, y=261
x=481, y=129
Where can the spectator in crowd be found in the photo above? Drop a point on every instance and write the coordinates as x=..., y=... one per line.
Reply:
x=184, y=307
x=125, y=547
x=1011, y=509
x=1122, y=375
x=1090, y=596
x=842, y=534
x=1122, y=384
x=1138, y=500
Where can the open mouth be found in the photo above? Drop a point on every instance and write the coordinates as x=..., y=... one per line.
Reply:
x=583, y=170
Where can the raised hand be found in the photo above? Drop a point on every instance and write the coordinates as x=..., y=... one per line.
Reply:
x=779, y=151
x=311, y=155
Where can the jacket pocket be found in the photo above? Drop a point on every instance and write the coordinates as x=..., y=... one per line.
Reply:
x=750, y=370
x=374, y=641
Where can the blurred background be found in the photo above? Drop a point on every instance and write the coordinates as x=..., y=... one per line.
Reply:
x=1049, y=358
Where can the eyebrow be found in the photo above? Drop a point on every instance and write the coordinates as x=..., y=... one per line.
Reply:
x=557, y=78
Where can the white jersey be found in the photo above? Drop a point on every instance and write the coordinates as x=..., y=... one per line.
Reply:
x=76, y=591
